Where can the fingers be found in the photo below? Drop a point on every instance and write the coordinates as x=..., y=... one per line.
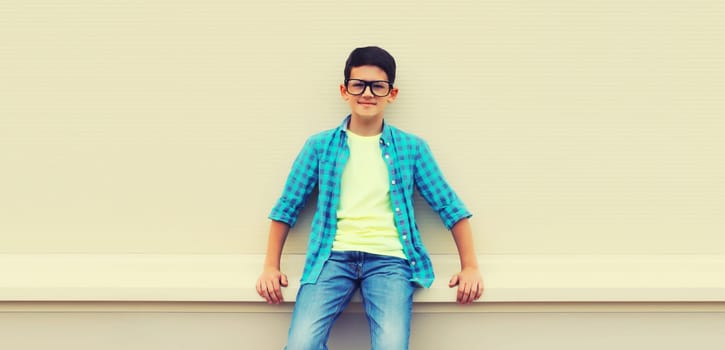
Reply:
x=480, y=291
x=468, y=292
x=464, y=293
x=283, y=280
x=273, y=292
x=470, y=286
x=262, y=290
x=453, y=281
x=270, y=288
x=259, y=287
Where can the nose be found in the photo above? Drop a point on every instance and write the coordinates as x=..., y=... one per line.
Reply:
x=368, y=91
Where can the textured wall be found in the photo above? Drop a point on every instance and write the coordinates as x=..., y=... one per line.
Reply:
x=169, y=126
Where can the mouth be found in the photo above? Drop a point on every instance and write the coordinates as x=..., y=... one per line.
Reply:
x=367, y=103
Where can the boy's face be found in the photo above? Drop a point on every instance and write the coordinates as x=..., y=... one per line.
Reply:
x=367, y=107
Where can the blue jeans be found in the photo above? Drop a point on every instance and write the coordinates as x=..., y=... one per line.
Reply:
x=387, y=295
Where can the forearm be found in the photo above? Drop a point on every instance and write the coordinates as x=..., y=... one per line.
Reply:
x=277, y=236
x=463, y=236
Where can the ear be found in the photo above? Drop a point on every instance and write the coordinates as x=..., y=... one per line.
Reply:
x=343, y=92
x=393, y=94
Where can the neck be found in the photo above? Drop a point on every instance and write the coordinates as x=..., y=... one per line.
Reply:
x=362, y=127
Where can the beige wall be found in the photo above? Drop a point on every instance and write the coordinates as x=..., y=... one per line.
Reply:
x=169, y=126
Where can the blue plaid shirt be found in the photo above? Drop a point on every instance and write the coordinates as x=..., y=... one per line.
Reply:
x=410, y=164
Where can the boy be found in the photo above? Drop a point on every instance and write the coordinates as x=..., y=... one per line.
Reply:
x=363, y=232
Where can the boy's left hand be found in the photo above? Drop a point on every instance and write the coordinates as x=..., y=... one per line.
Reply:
x=470, y=285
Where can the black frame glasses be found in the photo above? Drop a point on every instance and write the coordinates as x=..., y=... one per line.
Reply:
x=387, y=87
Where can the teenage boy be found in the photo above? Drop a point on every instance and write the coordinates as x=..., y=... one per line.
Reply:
x=363, y=232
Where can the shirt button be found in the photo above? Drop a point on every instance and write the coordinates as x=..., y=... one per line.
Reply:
x=405, y=237
x=412, y=263
x=397, y=209
x=393, y=182
x=387, y=156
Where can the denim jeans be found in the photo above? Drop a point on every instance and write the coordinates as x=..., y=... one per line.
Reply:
x=387, y=294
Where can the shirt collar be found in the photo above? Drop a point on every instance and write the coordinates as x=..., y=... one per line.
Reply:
x=385, y=136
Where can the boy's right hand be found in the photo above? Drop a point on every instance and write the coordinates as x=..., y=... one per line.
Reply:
x=269, y=285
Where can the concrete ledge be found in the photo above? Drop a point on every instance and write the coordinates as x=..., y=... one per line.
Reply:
x=230, y=278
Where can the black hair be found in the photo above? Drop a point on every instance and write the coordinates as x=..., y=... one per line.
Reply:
x=371, y=56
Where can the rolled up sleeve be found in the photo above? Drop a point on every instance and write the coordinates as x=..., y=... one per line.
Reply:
x=300, y=183
x=435, y=189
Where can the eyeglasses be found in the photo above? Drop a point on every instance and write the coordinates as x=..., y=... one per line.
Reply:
x=379, y=88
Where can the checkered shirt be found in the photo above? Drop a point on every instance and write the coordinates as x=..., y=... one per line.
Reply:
x=410, y=164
